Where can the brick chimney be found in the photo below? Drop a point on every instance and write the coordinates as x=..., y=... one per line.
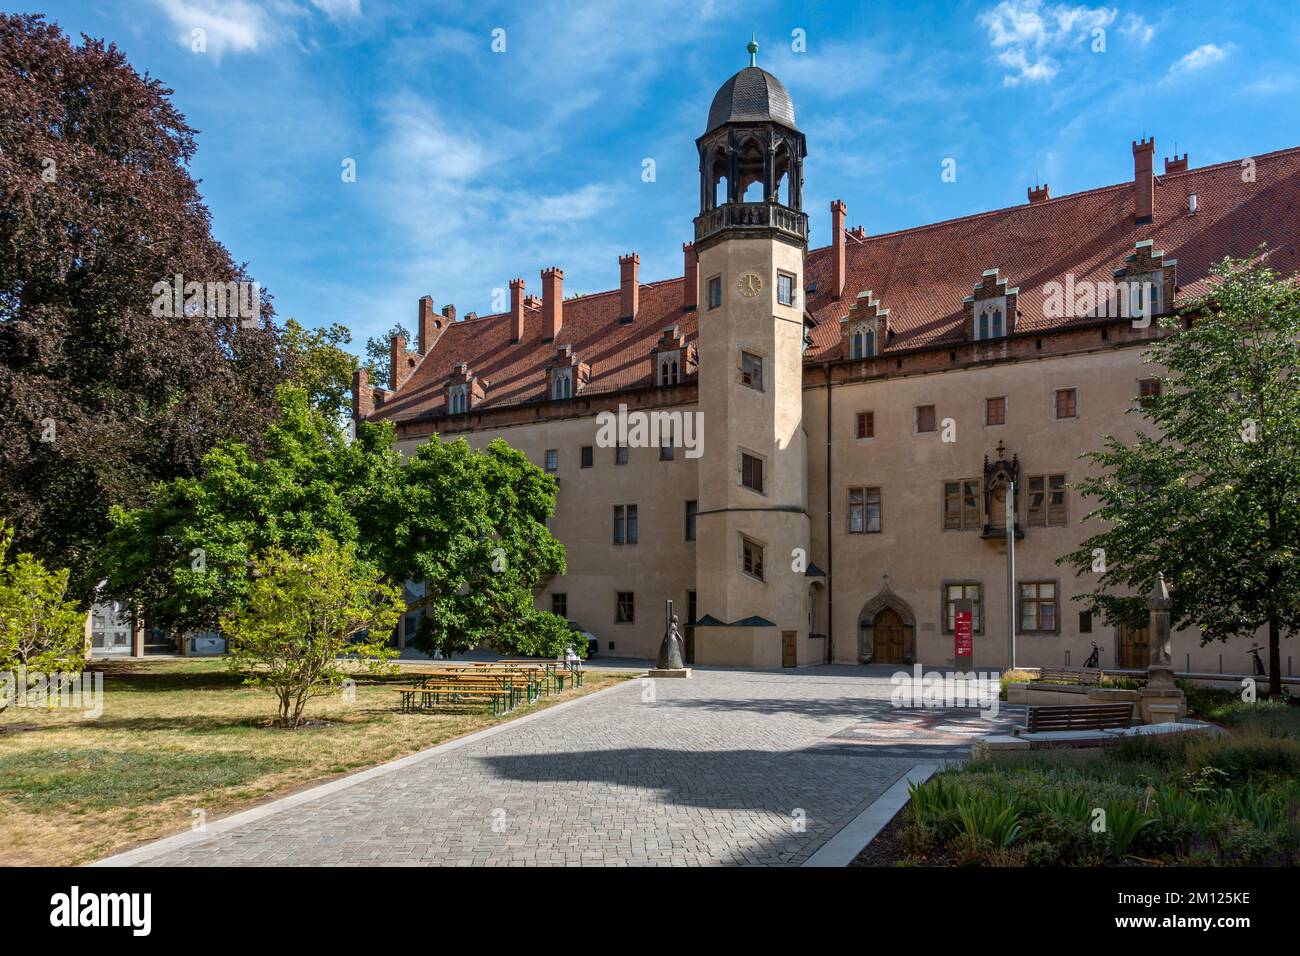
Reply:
x=428, y=324
x=838, y=212
x=449, y=313
x=629, y=268
x=516, y=310
x=691, y=272
x=363, y=397
x=1039, y=193
x=552, y=302
x=397, y=362
x=1144, y=184
x=1176, y=165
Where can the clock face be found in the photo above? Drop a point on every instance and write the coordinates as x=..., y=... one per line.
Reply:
x=750, y=284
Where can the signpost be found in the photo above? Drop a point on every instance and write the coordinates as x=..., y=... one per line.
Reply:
x=963, y=630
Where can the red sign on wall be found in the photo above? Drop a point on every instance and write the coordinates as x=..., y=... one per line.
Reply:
x=963, y=634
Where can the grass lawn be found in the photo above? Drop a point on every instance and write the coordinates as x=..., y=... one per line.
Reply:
x=182, y=735
x=1229, y=801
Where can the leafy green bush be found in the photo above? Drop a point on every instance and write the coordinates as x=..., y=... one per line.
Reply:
x=1246, y=758
x=991, y=820
x=1124, y=823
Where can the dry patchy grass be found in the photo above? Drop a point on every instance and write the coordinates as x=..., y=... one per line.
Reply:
x=183, y=735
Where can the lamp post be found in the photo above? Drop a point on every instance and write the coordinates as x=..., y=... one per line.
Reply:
x=1010, y=511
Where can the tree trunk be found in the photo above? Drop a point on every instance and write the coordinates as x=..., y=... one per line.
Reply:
x=1274, y=657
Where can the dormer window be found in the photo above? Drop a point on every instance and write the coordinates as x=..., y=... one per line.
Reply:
x=991, y=309
x=562, y=383
x=457, y=399
x=862, y=343
x=670, y=372
x=991, y=324
x=671, y=358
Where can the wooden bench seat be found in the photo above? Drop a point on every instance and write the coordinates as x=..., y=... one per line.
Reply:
x=417, y=698
x=1041, y=718
x=1069, y=675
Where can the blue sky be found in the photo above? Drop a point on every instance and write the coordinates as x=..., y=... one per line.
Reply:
x=474, y=166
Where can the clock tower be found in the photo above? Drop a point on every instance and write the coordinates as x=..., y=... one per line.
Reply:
x=751, y=237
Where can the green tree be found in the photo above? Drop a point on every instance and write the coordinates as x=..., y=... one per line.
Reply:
x=379, y=354
x=40, y=628
x=187, y=554
x=102, y=391
x=472, y=528
x=1210, y=494
x=317, y=363
x=303, y=613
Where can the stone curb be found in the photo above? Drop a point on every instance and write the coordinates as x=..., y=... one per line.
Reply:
x=852, y=838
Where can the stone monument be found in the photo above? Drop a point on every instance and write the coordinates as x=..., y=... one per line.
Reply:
x=670, y=662
x=1161, y=702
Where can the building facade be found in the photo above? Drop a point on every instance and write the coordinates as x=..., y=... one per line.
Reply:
x=866, y=412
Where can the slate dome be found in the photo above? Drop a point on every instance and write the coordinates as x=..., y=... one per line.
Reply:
x=751, y=96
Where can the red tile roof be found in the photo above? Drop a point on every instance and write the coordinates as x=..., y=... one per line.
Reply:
x=921, y=275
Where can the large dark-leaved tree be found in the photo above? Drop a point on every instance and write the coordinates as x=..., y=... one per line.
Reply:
x=99, y=396
x=1209, y=492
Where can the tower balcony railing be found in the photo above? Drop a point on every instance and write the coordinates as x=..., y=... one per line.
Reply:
x=752, y=215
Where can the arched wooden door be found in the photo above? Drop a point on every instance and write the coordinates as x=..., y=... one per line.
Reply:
x=888, y=633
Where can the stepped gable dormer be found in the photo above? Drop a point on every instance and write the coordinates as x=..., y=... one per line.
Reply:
x=672, y=358
x=1147, y=270
x=864, y=332
x=464, y=390
x=991, y=310
x=566, y=376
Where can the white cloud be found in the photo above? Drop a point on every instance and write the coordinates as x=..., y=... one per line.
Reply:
x=338, y=9
x=1204, y=55
x=244, y=26
x=1137, y=29
x=229, y=26
x=1026, y=33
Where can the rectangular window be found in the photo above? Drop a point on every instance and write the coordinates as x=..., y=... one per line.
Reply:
x=751, y=371
x=666, y=452
x=625, y=610
x=751, y=558
x=560, y=604
x=714, y=287
x=961, y=504
x=625, y=524
x=995, y=411
x=952, y=593
x=864, y=511
x=751, y=472
x=588, y=456
x=1085, y=622
x=1038, y=607
x=1067, y=403
x=552, y=460
x=692, y=511
x=785, y=288
x=925, y=418
x=864, y=426
x=1046, y=504
x=620, y=454
x=1148, y=391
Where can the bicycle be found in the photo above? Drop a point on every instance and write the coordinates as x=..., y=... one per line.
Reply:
x=1260, y=670
x=1094, y=659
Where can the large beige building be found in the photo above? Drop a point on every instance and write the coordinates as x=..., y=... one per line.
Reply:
x=854, y=415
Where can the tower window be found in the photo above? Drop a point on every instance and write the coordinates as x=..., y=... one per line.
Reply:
x=751, y=472
x=751, y=558
x=785, y=288
x=751, y=371
x=864, y=511
x=714, y=290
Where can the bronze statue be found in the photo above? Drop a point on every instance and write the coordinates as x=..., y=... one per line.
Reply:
x=670, y=651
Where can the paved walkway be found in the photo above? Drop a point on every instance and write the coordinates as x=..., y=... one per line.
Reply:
x=730, y=767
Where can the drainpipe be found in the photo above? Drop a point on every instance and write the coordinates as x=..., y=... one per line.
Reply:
x=830, y=563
